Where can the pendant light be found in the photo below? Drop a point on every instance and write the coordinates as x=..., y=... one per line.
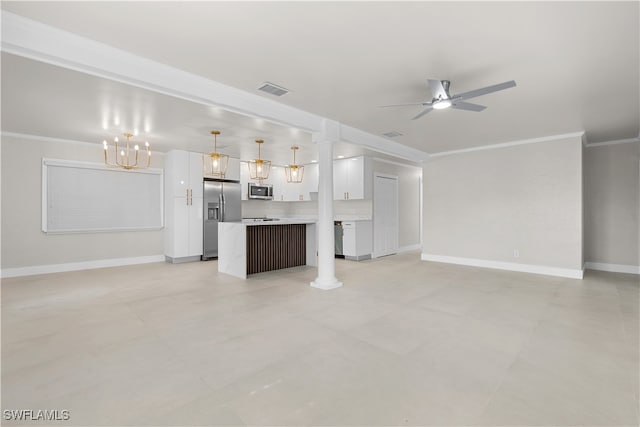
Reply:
x=126, y=157
x=214, y=163
x=259, y=169
x=293, y=171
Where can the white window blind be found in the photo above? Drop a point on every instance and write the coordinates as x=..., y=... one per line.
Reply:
x=88, y=197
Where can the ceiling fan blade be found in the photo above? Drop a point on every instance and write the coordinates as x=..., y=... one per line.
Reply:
x=437, y=90
x=468, y=106
x=402, y=105
x=425, y=111
x=486, y=90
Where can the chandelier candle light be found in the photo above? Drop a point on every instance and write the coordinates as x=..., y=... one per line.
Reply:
x=294, y=172
x=123, y=158
x=216, y=164
x=259, y=169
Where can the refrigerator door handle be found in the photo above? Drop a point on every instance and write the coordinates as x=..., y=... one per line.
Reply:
x=221, y=201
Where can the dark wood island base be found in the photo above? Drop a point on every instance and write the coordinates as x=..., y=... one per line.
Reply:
x=277, y=246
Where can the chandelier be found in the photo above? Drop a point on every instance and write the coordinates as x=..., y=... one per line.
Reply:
x=214, y=163
x=293, y=171
x=259, y=169
x=123, y=158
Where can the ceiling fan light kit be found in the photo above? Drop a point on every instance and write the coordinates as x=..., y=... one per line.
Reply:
x=442, y=99
x=441, y=104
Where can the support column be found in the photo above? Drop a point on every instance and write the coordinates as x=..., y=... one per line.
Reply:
x=326, y=245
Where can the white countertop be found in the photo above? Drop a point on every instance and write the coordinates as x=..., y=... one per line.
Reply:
x=280, y=221
x=351, y=218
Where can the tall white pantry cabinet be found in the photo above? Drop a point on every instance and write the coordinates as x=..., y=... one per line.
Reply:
x=183, y=206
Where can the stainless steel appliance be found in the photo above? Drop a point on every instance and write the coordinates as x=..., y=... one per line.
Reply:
x=260, y=191
x=222, y=203
x=338, y=236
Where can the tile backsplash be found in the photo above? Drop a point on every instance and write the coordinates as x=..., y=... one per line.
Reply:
x=342, y=209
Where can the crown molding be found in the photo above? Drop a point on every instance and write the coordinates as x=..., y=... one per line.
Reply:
x=614, y=142
x=39, y=138
x=510, y=144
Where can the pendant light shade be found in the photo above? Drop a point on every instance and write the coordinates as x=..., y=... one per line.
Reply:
x=293, y=171
x=259, y=169
x=215, y=164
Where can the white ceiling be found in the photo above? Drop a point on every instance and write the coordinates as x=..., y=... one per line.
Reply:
x=576, y=65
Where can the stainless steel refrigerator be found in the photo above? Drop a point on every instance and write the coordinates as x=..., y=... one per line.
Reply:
x=222, y=203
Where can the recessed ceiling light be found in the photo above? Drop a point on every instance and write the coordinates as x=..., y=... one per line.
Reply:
x=314, y=161
x=273, y=89
x=341, y=157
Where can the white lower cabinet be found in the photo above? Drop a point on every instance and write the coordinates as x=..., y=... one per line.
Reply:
x=357, y=239
x=183, y=230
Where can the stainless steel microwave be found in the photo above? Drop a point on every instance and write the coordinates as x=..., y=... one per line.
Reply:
x=260, y=191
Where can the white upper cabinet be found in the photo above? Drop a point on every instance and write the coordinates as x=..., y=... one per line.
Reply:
x=310, y=182
x=183, y=174
x=233, y=169
x=352, y=179
x=196, y=174
x=244, y=181
x=284, y=191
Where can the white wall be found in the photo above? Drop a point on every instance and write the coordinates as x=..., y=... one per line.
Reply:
x=612, y=190
x=24, y=244
x=484, y=205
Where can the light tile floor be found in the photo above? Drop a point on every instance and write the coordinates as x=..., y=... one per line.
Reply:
x=404, y=342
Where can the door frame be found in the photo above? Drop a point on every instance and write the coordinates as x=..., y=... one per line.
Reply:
x=376, y=175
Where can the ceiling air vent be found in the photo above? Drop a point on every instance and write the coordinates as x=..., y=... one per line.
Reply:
x=273, y=89
x=392, y=134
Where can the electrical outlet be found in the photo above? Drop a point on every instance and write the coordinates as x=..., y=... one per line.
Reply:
x=516, y=253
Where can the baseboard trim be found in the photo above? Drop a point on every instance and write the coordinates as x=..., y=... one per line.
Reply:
x=500, y=265
x=182, y=260
x=415, y=247
x=614, y=268
x=75, y=266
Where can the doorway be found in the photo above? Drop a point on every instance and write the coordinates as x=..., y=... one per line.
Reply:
x=385, y=215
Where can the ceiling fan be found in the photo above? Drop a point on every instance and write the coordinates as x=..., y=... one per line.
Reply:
x=442, y=99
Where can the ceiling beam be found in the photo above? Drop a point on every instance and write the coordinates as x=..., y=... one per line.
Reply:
x=40, y=42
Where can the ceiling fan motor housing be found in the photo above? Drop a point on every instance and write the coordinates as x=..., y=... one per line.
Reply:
x=445, y=85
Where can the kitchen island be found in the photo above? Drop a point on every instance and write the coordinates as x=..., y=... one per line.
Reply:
x=254, y=246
